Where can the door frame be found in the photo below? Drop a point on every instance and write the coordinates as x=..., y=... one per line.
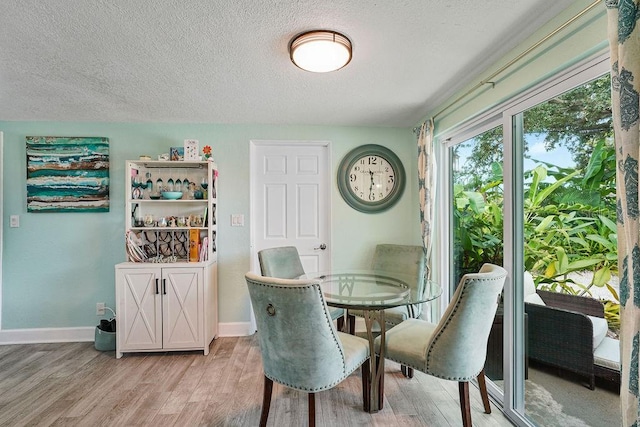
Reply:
x=1, y=219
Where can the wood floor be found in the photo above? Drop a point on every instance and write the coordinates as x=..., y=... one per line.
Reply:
x=72, y=384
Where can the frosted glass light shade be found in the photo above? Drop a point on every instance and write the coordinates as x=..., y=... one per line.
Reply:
x=320, y=51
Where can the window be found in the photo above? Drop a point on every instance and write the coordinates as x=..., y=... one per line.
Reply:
x=477, y=202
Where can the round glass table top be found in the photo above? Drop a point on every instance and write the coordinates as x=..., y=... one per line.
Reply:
x=372, y=289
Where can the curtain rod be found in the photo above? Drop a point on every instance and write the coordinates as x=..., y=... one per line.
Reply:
x=516, y=59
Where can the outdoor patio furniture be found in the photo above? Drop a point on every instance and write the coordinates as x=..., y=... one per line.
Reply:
x=495, y=350
x=569, y=332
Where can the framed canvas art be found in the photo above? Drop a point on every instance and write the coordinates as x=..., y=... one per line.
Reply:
x=67, y=174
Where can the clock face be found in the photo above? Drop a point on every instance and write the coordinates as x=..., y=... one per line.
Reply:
x=371, y=178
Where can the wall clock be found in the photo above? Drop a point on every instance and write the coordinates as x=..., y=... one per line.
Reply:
x=371, y=178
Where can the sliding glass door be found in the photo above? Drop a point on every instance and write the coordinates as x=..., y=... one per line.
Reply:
x=570, y=253
x=478, y=221
x=533, y=188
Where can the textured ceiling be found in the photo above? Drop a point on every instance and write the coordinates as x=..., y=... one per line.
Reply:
x=207, y=61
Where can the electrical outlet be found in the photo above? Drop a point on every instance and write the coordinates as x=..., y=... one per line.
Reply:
x=99, y=309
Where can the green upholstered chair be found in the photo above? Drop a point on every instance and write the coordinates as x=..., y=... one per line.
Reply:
x=299, y=343
x=405, y=259
x=284, y=263
x=455, y=348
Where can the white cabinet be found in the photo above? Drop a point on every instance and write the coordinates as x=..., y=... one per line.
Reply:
x=165, y=308
x=166, y=294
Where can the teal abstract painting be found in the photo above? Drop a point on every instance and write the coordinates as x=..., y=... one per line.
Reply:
x=67, y=174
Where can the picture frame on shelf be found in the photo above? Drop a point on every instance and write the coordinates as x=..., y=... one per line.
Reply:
x=191, y=149
x=176, y=153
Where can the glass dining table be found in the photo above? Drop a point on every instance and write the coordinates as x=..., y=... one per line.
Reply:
x=373, y=291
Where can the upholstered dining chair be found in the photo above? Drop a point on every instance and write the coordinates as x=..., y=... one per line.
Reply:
x=406, y=259
x=284, y=263
x=455, y=348
x=409, y=260
x=299, y=343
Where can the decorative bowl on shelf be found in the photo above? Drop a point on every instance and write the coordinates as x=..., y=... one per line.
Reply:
x=171, y=195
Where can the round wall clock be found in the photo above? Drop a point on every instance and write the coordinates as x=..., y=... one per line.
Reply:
x=371, y=178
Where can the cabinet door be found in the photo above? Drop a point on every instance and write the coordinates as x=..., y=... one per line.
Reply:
x=139, y=309
x=183, y=308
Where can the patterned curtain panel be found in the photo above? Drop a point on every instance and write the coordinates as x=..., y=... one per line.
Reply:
x=624, y=42
x=426, y=186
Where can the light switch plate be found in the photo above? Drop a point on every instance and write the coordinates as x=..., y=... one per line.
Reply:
x=14, y=221
x=237, y=220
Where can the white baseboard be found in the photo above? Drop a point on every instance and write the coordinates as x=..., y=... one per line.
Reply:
x=47, y=335
x=87, y=333
x=237, y=329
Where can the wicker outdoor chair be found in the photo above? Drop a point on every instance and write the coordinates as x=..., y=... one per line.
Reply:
x=561, y=334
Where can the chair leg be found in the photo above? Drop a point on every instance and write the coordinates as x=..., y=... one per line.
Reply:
x=312, y=410
x=380, y=386
x=482, y=385
x=366, y=385
x=266, y=401
x=352, y=324
x=465, y=406
x=406, y=371
x=340, y=323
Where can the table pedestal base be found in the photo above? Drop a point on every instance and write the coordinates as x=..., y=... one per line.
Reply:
x=377, y=363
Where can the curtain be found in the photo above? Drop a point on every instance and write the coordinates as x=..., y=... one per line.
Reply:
x=426, y=186
x=624, y=42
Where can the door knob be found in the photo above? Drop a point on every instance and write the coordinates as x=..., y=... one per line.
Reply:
x=321, y=247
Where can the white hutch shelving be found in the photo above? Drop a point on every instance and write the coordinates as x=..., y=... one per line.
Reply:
x=167, y=291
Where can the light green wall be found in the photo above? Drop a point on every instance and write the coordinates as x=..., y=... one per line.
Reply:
x=56, y=266
x=584, y=37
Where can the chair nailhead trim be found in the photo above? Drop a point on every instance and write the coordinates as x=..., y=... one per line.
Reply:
x=316, y=288
x=455, y=308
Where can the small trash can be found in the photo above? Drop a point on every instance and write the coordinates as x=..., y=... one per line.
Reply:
x=105, y=336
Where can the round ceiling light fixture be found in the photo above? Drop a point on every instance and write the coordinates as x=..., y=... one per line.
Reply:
x=320, y=51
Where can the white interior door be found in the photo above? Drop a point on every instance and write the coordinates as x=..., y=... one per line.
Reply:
x=290, y=200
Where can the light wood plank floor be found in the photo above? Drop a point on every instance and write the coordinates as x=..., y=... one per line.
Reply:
x=73, y=384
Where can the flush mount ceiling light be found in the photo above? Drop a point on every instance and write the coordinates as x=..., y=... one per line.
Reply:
x=320, y=51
